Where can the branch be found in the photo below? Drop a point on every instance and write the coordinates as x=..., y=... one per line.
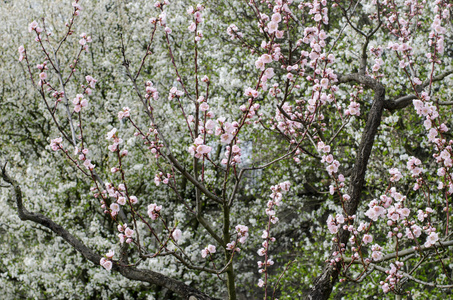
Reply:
x=168, y=155
x=361, y=79
x=129, y=272
x=66, y=100
x=324, y=283
x=402, y=253
x=381, y=269
x=404, y=101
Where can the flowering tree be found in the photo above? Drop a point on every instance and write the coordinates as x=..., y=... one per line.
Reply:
x=186, y=142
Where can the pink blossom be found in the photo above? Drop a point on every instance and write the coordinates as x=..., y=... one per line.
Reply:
x=259, y=64
x=272, y=27
x=376, y=255
x=110, y=254
x=121, y=237
x=204, y=106
x=108, y=265
x=177, y=233
x=210, y=124
x=396, y=175
x=115, y=207
x=42, y=76
x=277, y=17
x=211, y=248
x=192, y=27
x=32, y=26
x=203, y=149
x=129, y=232
x=125, y=113
x=154, y=211
x=367, y=239
x=121, y=200
x=431, y=239
x=55, y=144
x=133, y=199
x=226, y=138
x=204, y=253
x=111, y=134
x=113, y=147
x=331, y=225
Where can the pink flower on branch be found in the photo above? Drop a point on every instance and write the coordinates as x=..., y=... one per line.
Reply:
x=210, y=249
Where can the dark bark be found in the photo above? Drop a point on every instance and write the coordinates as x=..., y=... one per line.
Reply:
x=323, y=284
x=187, y=292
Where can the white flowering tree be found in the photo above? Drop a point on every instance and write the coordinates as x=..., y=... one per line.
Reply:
x=161, y=150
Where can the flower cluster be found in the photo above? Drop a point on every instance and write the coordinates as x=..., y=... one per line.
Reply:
x=112, y=135
x=262, y=61
x=268, y=73
x=154, y=211
x=210, y=249
x=235, y=155
x=33, y=26
x=284, y=124
x=106, y=261
x=22, y=52
x=204, y=106
x=376, y=255
x=55, y=144
x=276, y=200
x=334, y=223
x=378, y=62
x=160, y=177
x=174, y=93
x=151, y=91
x=79, y=102
x=91, y=84
x=43, y=75
x=249, y=92
x=226, y=130
x=85, y=39
x=120, y=195
x=250, y=110
x=77, y=7
x=233, y=32
x=353, y=109
x=197, y=20
x=198, y=149
x=393, y=277
x=332, y=164
x=396, y=175
x=125, y=234
x=83, y=157
x=124, y=113
x=413, y=166
x=431, y=239
x=242, y=235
